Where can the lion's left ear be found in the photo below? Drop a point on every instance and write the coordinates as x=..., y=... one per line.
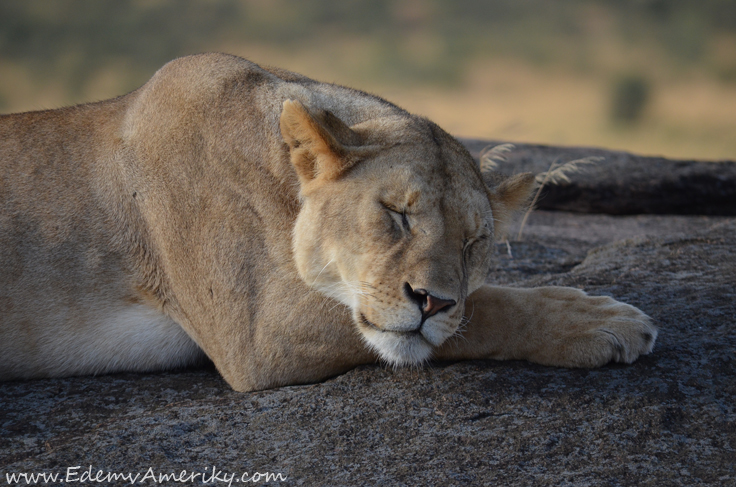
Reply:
x=322, y=146
x=509, y=197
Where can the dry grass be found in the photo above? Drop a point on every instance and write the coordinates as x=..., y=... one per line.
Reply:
x=693, y=118
x=556, y=174
x=501, y=100
x=492, y=155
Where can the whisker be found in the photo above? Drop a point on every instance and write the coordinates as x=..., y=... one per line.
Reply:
x=323, y=269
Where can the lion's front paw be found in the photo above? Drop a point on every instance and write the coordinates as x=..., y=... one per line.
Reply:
x=588, y=331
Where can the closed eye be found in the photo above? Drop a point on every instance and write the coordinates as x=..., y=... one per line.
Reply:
x=399, y=216
x=469, y=242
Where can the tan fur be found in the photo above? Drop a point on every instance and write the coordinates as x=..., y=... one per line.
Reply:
x=289, y=230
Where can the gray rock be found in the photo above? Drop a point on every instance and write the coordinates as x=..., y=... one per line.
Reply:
x=668, y=419
x=625, y=184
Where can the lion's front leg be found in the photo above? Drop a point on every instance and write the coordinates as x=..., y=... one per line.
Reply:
x=556, y=326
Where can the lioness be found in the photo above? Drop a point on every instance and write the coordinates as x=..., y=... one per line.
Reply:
x=287, y=229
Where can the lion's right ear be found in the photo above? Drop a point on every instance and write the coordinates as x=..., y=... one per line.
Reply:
x=322, y=146
x=509, y=197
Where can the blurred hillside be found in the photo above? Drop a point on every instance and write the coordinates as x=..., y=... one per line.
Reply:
x=650, y=76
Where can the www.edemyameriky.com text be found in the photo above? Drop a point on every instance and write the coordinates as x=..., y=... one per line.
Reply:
x=90, y=475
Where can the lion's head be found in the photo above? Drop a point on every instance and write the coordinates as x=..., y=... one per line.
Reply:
x=396, y=223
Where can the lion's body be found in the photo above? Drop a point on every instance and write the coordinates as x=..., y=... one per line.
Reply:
x=210, y=211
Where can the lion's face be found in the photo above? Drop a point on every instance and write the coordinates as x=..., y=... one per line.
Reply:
x=401, y=240
x=402, y=235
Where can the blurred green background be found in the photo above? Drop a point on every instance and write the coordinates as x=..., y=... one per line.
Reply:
x=649, y=76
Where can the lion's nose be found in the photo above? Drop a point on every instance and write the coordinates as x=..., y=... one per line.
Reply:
x=428, y=304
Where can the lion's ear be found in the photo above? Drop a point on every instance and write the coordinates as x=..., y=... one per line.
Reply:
x=322, y=146
x=509, y=197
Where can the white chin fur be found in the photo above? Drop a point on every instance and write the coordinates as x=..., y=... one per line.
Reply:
x=398, y=349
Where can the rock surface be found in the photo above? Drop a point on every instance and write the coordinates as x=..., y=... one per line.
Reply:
x=668, y=419
x=625, y=184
